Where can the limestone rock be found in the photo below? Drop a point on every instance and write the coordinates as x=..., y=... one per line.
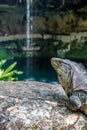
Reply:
x=37, y=106
x=39, y=24
x=53, y=24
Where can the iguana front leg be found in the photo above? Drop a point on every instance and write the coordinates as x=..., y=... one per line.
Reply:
x=74, y=103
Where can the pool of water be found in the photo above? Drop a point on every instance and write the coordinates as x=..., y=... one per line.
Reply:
x=35, y=69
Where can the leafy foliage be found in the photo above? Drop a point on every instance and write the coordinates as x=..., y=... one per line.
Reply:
x=9, y=73
x=4, y=54
x=78, y=50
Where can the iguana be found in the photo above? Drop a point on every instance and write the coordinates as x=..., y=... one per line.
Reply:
x=73, y=78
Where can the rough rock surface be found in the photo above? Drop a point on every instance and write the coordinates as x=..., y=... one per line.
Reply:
x=37, y=106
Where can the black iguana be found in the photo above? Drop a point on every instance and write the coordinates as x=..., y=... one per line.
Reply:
x=73, y=79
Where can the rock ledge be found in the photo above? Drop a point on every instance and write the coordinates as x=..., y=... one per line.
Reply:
x=37, y=106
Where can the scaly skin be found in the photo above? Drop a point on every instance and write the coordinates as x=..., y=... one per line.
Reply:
x=72, y=77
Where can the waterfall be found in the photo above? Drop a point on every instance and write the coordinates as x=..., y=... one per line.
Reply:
x=29, y=46
x=28, y=26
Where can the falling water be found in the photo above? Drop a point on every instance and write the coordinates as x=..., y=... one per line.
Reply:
x=28, y=24
x=29, y=27
x=28, y=32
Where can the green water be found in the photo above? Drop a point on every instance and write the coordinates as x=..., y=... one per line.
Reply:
x=36, y=69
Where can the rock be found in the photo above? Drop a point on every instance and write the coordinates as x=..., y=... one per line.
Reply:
x=53, y=24
x=37, y=106
x=39, y=24
x=82, y=25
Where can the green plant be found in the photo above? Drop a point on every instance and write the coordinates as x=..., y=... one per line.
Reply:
x=4, y=54
x=9, y=73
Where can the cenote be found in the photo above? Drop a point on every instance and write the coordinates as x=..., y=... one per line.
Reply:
x=34, y=69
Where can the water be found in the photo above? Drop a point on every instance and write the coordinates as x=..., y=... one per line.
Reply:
x=36, y=69
x=28, y=26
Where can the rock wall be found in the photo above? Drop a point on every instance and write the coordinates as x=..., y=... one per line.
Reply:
x=37, y=106
x=13, y=21
x=55, y=24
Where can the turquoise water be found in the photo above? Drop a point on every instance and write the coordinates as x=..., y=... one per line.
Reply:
x=35, y=69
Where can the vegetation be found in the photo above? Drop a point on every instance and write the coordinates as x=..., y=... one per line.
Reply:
x=78, y=50
x=47, y=48
x=9, y=74
x=4, y=54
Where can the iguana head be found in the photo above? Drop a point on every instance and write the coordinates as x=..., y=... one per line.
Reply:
x=63, y=69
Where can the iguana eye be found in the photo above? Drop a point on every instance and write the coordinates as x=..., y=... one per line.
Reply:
x=61, y=77
x=60, y=62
